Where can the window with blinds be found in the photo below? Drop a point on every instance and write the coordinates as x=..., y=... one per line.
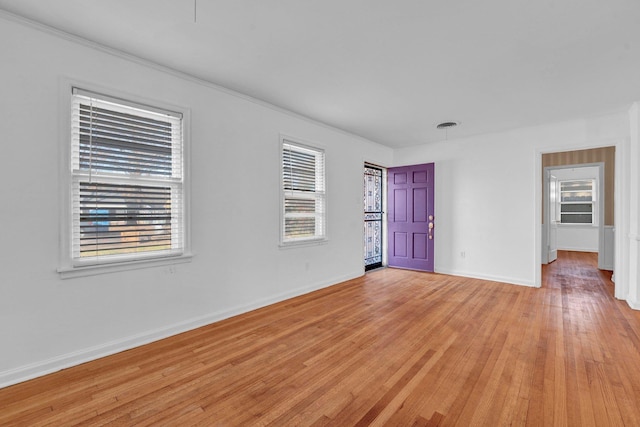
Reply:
x=303, y=193
x=577, y=199
x=126, y=181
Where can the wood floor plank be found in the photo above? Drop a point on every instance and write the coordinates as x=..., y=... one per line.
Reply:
x=394, y=347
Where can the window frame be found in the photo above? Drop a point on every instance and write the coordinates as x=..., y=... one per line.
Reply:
x=592, y=202
x=68, y=266
x=319, y=238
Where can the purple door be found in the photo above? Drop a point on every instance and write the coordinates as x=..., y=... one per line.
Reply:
x=411, y=217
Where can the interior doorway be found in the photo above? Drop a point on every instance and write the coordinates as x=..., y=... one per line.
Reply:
x=374, y=224
x=598, y=236
x=573, y=218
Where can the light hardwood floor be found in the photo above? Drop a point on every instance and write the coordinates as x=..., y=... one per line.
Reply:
x=396, y=348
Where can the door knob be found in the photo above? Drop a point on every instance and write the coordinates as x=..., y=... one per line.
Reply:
x=430, y=229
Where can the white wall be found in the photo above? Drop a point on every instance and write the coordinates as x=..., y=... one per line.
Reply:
x=488, y=194
x=631, y=198
x=580, y=238
x=46, y=322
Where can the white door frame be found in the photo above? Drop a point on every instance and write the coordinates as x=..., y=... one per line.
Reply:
x=547, y=225
x=600, y=206
x=621, y=210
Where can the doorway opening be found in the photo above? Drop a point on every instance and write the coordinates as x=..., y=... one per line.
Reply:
x=374, y=223
x=574, y=211
x=578, y=205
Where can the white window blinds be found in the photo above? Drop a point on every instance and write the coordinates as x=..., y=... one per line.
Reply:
x=127, y=180
x=303, y=187
x=577, y=200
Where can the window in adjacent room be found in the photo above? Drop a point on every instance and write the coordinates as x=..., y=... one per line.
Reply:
x=303, y=215
x=127, y=181
x=577, y=201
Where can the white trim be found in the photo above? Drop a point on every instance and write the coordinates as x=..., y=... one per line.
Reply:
x=54, y=364
x=621, y=215
x=302, y=243
x=94, y=270
x=602, y=248
x=546, y=227
x=634, y=304
x=538, y=184
x=576, y=249
x=488, y=277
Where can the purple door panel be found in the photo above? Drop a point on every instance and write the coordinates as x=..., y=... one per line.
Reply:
x=410, y=219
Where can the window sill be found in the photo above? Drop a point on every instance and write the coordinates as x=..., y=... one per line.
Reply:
x=93, y=270
x=303, y=243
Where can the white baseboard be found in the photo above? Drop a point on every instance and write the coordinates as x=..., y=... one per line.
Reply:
x=592, y=250
x=492, y=278
x=34, y=370
x=634, y=304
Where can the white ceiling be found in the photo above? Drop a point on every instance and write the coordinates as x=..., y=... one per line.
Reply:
x=386, y=70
